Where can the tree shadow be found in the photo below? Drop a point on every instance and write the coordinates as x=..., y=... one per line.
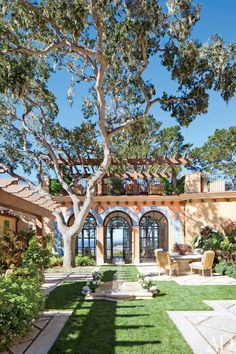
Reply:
x=108, y=275
x=97, y=327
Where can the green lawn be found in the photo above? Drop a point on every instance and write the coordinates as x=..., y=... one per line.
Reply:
x=127, y=272
x=131, y=327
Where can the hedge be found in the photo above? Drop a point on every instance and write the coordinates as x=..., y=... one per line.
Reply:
x=21, y=301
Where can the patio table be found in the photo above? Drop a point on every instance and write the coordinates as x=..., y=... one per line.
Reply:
x=183, y=261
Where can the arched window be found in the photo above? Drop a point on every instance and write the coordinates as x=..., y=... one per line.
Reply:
x=117, y=237
x=86, y=241
x=153, y=235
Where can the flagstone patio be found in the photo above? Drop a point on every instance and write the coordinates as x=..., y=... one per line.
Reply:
x=209, y=332
x=189, y=279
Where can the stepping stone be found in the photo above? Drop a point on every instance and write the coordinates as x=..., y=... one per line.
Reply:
x=216, y=337
x=221, y=323
x=20, y=347
x=41, y=323
x=231, y=347
x=195, y=320
x=24, y=342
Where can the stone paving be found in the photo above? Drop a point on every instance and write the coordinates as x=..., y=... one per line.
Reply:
x=52, y=280
x=46, y=330
x=209, y=332
x=189, y=279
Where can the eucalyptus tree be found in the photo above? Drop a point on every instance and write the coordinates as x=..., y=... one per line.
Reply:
x=108, y=45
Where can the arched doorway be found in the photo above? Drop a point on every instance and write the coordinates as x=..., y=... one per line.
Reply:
x=153, y=235
x=117, y=237
x=86, y=241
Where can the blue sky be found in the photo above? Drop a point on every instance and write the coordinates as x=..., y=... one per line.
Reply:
x=217, y=16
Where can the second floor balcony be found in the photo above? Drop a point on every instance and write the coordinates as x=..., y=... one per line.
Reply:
x=190, y=183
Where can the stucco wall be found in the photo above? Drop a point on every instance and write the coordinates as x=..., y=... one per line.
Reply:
x=199, y=214
x=12, y=222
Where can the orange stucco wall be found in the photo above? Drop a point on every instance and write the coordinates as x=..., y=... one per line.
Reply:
x=12, y=222
x=199, y=214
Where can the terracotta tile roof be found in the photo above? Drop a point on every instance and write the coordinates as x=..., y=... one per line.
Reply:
x=24, y=191
x=5, y=182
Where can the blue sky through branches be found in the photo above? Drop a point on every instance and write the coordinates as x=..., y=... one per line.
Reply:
x=217, y=16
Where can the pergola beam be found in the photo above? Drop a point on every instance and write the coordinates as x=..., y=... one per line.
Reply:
x=11, y=201
x=166, y=161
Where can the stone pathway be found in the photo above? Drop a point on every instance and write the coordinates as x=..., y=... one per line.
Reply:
x=43, y=334
x=46, y=330
x=194, y=279
x=52, y=280
x=209, y=332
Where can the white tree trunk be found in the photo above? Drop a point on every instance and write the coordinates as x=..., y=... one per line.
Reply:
x=67, y=259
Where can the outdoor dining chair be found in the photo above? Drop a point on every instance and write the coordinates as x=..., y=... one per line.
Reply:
x=164, y=261
x=205, y=264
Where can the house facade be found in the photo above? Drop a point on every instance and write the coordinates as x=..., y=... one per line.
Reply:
x=130, y=227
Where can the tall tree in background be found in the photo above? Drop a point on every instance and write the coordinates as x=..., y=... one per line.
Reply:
x=146, y=139
x=107, y=45
x=218, y=154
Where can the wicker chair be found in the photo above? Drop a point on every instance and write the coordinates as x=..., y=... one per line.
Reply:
x=164, y=261
x=205, y=264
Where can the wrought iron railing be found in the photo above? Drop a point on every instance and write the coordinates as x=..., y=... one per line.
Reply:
x=214, y=183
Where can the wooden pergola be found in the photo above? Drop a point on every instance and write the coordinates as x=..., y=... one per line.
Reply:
x=135, y=167
x=21, y=198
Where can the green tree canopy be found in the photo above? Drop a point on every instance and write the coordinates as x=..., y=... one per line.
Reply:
x=218, y=154
x=106, y=45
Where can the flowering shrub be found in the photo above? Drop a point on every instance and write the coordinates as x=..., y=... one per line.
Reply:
x=147, y=284
x=230, y=230
x=182, y=248
x=93, y=284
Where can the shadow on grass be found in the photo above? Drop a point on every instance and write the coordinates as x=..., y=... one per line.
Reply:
x=108, y=275
x=93, y=325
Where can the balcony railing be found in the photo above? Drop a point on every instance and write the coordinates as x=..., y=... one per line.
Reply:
x=194, y=183
x=217, y=183
x=124, y=187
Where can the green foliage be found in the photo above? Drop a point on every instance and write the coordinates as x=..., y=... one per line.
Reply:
x=145, y=283
x=21, y=301
x=55, y=187
x=222, y=267
x=84, y=261
x=230, y=231
x=55, y=261
x=36, y=254
x=24, y=248
x=116, y=186
x=209, y=239
x=38, y=38
x=147, y=139
x=223, y=242
x=26, y=272
x=226, y=268
x=12, y=247
x=231, y=271
x=169, y=188
x=218, y=154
